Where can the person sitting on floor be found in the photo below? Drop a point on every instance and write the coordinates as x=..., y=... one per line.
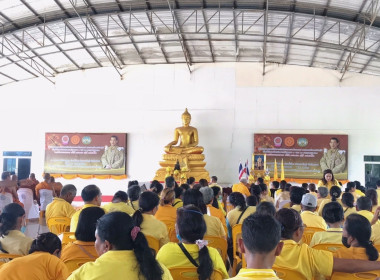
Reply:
x=261, y=244
x=42, y=263
x=123, y=253
x=12, y=228
x=192, y=251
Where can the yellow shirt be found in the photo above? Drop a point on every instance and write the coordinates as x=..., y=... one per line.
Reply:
x=214, y=226
x=36, y=266
x=166, y=213
x=241, y=188
x=15, y=242
x=356, y=253
x=177, y=203
x=234, y=214
x=267, y=198
x=77, y=250
x=330, y=236
x=113, y=265
x=328, y=185
x=118, y=206
x=75, y=217
x=212, y=211
x=375, y=237
x=171, y=255
x=311, y=219
x=155, y=228
x=348, y=210
x=366, y=214
x=59, y=208
x=297, y=207
x=324, y=202
x=134, y=204
x=251, y=273
x=305, y=260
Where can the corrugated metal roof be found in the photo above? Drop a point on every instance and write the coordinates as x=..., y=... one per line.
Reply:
x=46, y=37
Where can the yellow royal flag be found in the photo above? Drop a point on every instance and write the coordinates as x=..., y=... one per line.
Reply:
x=282, y=170
x=275, y=175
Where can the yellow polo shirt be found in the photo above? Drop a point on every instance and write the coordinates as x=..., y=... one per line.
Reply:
x=214, y=226
x=171, y=255
x=324, y=202
x=177, y=203
x=348, y=210
x=59, y=208
x=113, y=265
x=354, y=253
x=375, y=237
x=155, y=228
x=15, y=242
x=366, y=214
x=234, y=214
x=311, y=219
x=297, y=207
x=251, y=273
x=330, y=236
x=36, y=266
x=118, y=206
x=241, y=188
x=75, y=217
x=166, y=213
x=305, y=260
x=79, y=250
x=212, y=211
x=134, y=204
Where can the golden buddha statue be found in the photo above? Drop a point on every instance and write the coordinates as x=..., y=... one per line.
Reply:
x=188, y=154
x=188, y=137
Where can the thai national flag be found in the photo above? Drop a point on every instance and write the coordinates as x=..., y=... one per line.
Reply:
x=241, y=171
x=246, y=168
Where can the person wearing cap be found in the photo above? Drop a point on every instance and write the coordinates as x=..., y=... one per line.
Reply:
x=309, y=217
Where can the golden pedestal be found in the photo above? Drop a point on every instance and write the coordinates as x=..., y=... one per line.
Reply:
x=194, y=162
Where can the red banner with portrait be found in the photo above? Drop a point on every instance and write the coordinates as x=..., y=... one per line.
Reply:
x=85, y=154
x=304, y=155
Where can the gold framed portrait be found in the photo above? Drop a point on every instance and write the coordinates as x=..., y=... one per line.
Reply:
x=259, y=162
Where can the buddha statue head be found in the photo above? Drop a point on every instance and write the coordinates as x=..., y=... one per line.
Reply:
x=186, y=118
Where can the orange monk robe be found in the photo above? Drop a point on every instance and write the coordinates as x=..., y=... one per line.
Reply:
x=42, y=186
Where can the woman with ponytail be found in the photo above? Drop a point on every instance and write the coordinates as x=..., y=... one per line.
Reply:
x=123, y=252
x=144, y=218
x=12, y=228
x=192, y=251
x=240, y=211
x=356, y=238
x=335, y=193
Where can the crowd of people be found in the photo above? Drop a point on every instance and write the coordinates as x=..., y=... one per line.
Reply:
x=112, y=240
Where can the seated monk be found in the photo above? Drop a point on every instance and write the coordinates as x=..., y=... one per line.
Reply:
x=188, y=136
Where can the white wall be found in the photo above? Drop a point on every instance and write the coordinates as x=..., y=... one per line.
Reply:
x=228, y=102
